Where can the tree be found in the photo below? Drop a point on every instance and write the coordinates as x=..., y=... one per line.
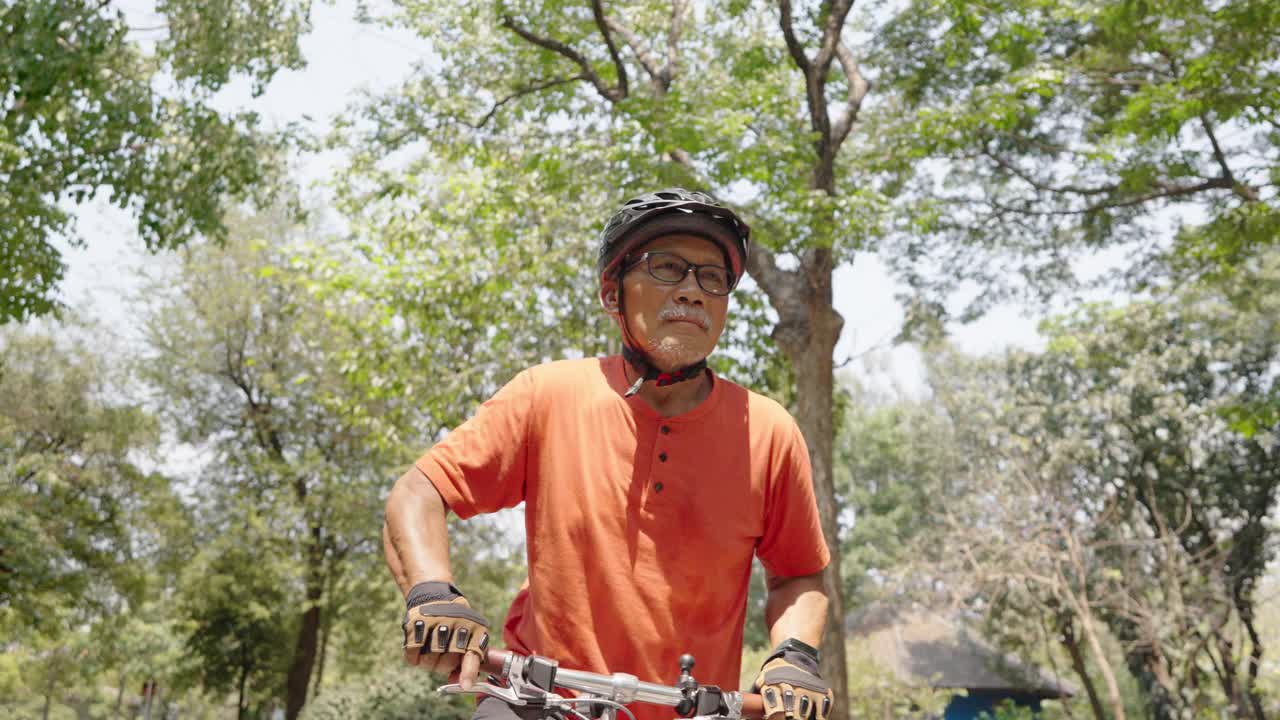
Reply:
x=1035, y=131
x=87, y=533
x=249, y=364
x=1117, y=490
x=82, y=112
x=897, y=466
x=236, y=595
x=69, y=451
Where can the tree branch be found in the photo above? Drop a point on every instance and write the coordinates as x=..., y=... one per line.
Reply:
x=1245, y=192
x=597, y=11
x=762, y=264
x=815, y=75
x=1217, y=149
x=678, y=12
x=646, y=58
x=565, y=51
x=831, y=35
x=858, y=88
x=789, y=33
x=527, y=90
x=1043, y=186
x=1163, y=191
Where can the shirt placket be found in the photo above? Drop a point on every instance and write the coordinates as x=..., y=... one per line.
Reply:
x=661, y=461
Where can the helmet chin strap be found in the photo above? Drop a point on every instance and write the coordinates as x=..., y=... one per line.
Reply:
x=643, y=365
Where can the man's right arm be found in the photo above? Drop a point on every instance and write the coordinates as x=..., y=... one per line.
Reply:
x=480, y=465
x=415, y=535
x=415, y=540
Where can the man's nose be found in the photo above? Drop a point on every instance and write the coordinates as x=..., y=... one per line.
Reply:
x=688, y=290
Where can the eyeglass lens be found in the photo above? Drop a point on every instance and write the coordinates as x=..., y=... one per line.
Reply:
x=670, y=268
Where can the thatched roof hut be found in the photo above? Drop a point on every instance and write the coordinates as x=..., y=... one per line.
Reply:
x=923, y=648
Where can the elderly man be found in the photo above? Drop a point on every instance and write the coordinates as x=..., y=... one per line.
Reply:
x=649, y=484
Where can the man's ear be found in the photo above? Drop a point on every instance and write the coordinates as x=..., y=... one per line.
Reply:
x=609, y=296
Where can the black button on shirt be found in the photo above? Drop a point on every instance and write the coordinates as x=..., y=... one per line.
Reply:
x=657, y=487
x=666, y=429
x=662, y=457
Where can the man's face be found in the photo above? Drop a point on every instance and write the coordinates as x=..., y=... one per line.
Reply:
x=679, y=324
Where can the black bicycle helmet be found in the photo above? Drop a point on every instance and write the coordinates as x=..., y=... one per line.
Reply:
x=669, y=212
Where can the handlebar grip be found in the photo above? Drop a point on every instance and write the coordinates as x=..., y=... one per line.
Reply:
x=494, y=660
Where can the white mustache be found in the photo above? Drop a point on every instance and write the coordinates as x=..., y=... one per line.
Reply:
x=687, y=313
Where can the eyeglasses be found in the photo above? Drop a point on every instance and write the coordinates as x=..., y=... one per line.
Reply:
x=669, y=269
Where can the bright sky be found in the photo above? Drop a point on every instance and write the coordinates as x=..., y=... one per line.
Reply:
x=345, y=57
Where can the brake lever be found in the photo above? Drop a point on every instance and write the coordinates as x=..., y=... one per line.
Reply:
x=506, y=695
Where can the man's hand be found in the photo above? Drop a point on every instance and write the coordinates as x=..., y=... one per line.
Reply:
x=792, y=688
x=441, y=631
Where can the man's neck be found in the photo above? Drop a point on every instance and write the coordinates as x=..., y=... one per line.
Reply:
x=675, y=399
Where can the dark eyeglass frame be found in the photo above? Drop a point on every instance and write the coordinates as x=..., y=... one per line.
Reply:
x=695, y=268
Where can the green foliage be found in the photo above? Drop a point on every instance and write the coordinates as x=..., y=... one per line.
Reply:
x=89, y=538
x=250, y=365
x=1114, y=493
x=1041, y=130
x=402, y=694
x=554, y=146
x=874, y=691
x=236, y=595
x=896, y=464
x=75, y=489
x=466, y=281
x=81, y=114
x=751, y=358
x=1007, y=710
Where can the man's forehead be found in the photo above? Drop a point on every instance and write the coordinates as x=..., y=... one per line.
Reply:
x=691, y=247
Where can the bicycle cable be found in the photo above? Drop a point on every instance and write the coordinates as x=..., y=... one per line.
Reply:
x=601, y=701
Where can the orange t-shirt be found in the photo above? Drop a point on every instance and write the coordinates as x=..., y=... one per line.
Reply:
x=640, y=528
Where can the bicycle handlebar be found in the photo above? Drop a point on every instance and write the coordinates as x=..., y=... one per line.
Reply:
x=620, y=685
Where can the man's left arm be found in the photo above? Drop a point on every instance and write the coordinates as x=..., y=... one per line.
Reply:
x=795, y=607
x=794, y=552
x=796, y=613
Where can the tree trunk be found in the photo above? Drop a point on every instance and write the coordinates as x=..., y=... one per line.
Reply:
x=120, y=695
x=325, y=622
x=244, y=679
x=1142, y=665
x=1072, y=644
x=814, y=415
x=1081, y=607
x=1227, y=675
x=304, y=654
x=1255, y=662
x=807, y=331
x=1244, y=607
x=1113, y=689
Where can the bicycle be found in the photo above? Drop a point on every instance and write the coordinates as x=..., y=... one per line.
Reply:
x=530, y=682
